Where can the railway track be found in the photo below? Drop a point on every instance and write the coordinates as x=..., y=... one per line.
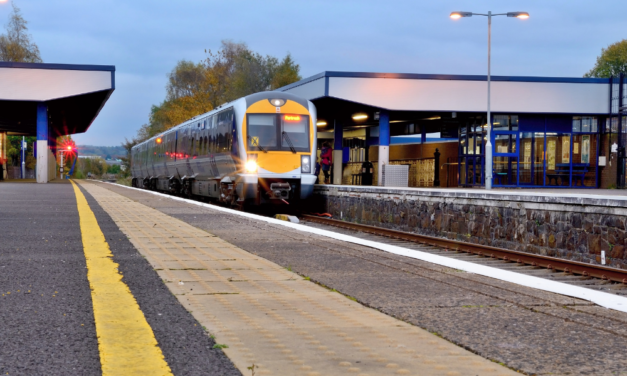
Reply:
x=591, y=276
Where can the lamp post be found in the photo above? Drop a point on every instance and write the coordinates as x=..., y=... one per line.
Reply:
x=488, y=146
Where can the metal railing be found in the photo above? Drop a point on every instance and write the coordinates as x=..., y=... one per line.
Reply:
x=421, y=171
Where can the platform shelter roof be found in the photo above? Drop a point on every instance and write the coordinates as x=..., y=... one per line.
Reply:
x=74, y=95
x=338, y=95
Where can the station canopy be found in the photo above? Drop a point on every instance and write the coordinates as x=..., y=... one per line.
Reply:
x=433, y=101
x=74, y=95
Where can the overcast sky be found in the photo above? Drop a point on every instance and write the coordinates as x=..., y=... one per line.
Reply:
x=145, y=39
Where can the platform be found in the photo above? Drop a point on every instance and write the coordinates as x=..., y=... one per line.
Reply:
x=590, y=197
x=586, y=225
x=217, y=287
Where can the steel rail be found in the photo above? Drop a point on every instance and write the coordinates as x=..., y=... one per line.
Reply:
x=566, y=266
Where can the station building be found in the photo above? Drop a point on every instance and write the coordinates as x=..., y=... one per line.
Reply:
x=49, y=101
x=546, y=131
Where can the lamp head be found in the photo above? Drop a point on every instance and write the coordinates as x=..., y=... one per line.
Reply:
x=521, y=15
x=458, y=15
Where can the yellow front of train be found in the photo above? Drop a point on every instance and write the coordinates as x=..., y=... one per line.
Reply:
x=279, y=139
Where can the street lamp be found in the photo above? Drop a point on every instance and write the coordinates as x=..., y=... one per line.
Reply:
x=488, y=146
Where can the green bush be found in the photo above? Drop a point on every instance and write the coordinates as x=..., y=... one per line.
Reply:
x=113, y=169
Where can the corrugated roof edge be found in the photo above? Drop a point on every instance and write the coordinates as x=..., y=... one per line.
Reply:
x=83, y=67
x=418, y=76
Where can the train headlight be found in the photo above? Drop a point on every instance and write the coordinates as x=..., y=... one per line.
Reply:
x=277, y=102
x=305, y=164
x=251, y=165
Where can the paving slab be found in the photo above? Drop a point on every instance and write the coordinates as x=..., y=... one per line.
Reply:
x=186, y=347
x=489, y=326
x=273, y=318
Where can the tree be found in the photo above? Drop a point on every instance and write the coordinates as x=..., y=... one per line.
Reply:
x=611, y=62
x=16, y=44
x=232, y=72
x=14, y=150
x=185, y=80
x=113, y=169
x=96, y=166
x=286, y=73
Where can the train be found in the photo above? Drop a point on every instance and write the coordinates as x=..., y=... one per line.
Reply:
x=256, y=150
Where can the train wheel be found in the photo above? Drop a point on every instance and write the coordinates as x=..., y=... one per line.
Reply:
x=238, y=205
x=235, y=203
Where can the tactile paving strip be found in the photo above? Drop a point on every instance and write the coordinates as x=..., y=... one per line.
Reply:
x=273, y=318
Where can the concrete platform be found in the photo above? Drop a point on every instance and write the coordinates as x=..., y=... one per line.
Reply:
x=528, y=330
x=212, y=284
x=272, y=317
x=582, y=225
x=589, y=197
x=47, y=315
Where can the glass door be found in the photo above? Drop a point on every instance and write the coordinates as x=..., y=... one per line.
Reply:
x=505, y=158
x=471, y=152
x=558, y=159
x=531, y=165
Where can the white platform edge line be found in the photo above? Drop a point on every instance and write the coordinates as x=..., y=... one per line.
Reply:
x=603, y=299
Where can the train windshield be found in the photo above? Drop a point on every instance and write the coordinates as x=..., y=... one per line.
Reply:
x=295, y=132
x=278, y=132
x=262, y=132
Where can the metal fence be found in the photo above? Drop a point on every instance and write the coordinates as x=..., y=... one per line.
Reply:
x=13, y=172
x=421, y=172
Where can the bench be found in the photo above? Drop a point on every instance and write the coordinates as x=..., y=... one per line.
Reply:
x=501, y=176
x=562, y=172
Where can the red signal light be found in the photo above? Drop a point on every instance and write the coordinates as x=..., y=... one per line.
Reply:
x=291, y=117
x=69, y=148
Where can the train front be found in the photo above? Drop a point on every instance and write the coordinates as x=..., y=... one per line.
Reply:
x=279, y=149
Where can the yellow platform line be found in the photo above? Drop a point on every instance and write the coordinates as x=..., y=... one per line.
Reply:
x=126, y=342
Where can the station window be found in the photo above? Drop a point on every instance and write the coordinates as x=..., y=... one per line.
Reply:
x=585, y=124
x=505, y=123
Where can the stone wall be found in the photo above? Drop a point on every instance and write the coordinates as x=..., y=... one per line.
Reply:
x=571, y=226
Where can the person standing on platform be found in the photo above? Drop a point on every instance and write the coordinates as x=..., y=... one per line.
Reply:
x=317, y=170
x=326, y=155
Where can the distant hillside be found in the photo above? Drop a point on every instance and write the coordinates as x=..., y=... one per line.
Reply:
x=112, y=152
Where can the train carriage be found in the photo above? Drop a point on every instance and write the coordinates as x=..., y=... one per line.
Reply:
x=259, y=149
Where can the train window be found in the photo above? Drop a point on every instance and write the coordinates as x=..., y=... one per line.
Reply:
x=295, y=131
x=212, y=134
x=223, y=131
x=261, y=131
